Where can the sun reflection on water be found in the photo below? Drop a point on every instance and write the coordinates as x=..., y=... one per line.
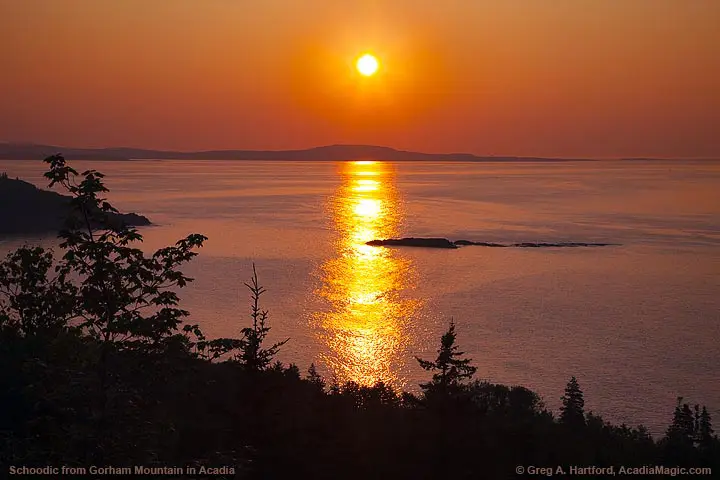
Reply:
x=366, y=322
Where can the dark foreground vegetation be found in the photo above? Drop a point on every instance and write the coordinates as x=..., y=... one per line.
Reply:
x=99, y=369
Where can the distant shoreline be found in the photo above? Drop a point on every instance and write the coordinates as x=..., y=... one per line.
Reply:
x=330, y=153
x=519, y=160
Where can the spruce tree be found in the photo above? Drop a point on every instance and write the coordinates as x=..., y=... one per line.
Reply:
x=450, y=369
x=688, y=421
x=682, y=429
x=315, y=378
x=572, y=411
x=705, y=430
x=252, y=353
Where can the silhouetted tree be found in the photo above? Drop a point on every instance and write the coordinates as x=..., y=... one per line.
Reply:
x=116, y=297
x=33, y=301
x=122, y=295
x=368, y=397
x=206, y=349
x=705, y=430
x=252, y=354
x=683, y=427
x=572, y=411
x=291, y=370
x=314, y=377
x=688, y=421
x=498, y=399
x=450, y=369
x=683, y=436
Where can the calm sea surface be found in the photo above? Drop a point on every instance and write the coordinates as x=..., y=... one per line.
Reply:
x=638, y=323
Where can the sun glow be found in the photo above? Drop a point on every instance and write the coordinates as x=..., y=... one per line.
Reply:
x=367, y=65
x=366, y=322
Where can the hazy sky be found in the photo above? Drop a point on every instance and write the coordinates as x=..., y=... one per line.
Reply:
x=506, y=77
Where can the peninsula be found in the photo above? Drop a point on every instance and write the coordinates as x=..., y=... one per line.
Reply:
x=26, y=209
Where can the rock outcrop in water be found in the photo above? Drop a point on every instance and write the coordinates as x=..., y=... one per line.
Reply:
x=482, y=244
x=414, y=242
x=561, y=244
x=445, y=243
x=26, y=209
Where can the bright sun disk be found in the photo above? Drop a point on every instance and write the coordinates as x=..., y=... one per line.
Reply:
x=367, y=65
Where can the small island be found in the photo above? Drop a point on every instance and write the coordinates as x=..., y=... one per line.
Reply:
x=26, y=209
x=445, y=243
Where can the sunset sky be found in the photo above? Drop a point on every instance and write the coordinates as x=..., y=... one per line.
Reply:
x=563, y=78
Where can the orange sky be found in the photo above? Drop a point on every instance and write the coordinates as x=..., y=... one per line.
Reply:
x=602, y=78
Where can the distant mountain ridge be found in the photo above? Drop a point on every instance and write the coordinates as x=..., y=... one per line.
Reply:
x=18, y=151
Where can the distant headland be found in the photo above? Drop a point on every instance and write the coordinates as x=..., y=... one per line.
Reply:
x=20, y=151
x=26, y=209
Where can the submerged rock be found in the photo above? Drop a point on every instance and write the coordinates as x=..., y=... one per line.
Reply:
x=26, y=209
x=562, y=244
x=445, y=243
x=482, y=244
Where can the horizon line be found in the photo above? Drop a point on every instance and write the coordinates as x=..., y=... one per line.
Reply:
x=355, y=145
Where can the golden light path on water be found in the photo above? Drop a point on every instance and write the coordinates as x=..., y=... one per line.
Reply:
x=366, y=326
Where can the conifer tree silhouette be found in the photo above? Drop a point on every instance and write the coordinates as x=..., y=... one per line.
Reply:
x=450, y=369
x=572, y=411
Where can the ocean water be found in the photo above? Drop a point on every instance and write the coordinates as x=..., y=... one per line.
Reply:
x=637, y=322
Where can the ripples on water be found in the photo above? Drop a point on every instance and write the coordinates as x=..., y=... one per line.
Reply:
x=368, y=317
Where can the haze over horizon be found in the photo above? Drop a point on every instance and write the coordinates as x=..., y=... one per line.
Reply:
x=559, y=79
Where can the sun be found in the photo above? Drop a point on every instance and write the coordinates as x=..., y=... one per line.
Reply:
x=367, y=65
